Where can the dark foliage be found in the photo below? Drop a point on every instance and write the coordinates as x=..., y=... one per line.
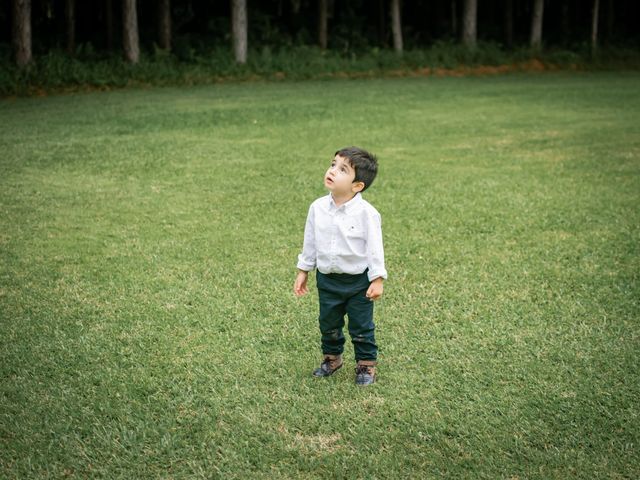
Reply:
x=354, y=25
x=283, y=41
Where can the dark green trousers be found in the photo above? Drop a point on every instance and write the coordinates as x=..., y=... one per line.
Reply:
x=340, y=295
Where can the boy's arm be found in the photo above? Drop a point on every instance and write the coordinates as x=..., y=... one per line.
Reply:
x=307, y=259
x=375, y=249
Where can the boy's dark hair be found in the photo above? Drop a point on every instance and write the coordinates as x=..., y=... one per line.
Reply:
x=364, y=163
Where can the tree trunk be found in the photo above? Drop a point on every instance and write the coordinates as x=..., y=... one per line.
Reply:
x=382, y=25
x=508, y=23
x=594, y=26
x=164, y=24
x=70, y=17
x=439, y=20
x=454, y=19
x=108, y=6
x=239, y=30
x=21, y=34
x=536, y=24
x=323, y=14
x=469, y=23
x=396, y=25
x=130, y=38
x=610, y=20
x=565, y=23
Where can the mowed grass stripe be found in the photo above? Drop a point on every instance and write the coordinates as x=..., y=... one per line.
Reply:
x=148, y=242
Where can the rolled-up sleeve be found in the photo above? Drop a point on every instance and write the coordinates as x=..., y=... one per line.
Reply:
x=307, y=259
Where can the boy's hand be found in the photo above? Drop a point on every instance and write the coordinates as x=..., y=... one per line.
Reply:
x=375, y=289
x=300, y=286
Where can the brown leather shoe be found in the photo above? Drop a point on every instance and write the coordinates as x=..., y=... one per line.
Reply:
x=329, y=366
x=366, y=372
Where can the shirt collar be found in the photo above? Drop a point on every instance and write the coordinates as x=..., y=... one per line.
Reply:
x=347, y=207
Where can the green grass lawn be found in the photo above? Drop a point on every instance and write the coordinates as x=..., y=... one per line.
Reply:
x=148, y=243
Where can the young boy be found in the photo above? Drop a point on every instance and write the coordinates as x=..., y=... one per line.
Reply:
x=343, y=241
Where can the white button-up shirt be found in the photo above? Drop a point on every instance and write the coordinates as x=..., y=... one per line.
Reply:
x=344, y=239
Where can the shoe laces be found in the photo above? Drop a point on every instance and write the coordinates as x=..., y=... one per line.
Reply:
x=362, y=369
x=328, y=362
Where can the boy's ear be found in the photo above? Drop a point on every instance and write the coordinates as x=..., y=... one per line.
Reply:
x=357, y=187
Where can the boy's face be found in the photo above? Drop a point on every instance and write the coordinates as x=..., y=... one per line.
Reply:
x=340, y=177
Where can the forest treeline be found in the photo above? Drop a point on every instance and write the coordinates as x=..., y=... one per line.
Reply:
x=71, y=41
x=129, y=26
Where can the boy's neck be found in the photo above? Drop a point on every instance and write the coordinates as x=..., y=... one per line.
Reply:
x=341, y=200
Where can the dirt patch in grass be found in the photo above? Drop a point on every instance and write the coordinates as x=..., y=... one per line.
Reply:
x=484, y=70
